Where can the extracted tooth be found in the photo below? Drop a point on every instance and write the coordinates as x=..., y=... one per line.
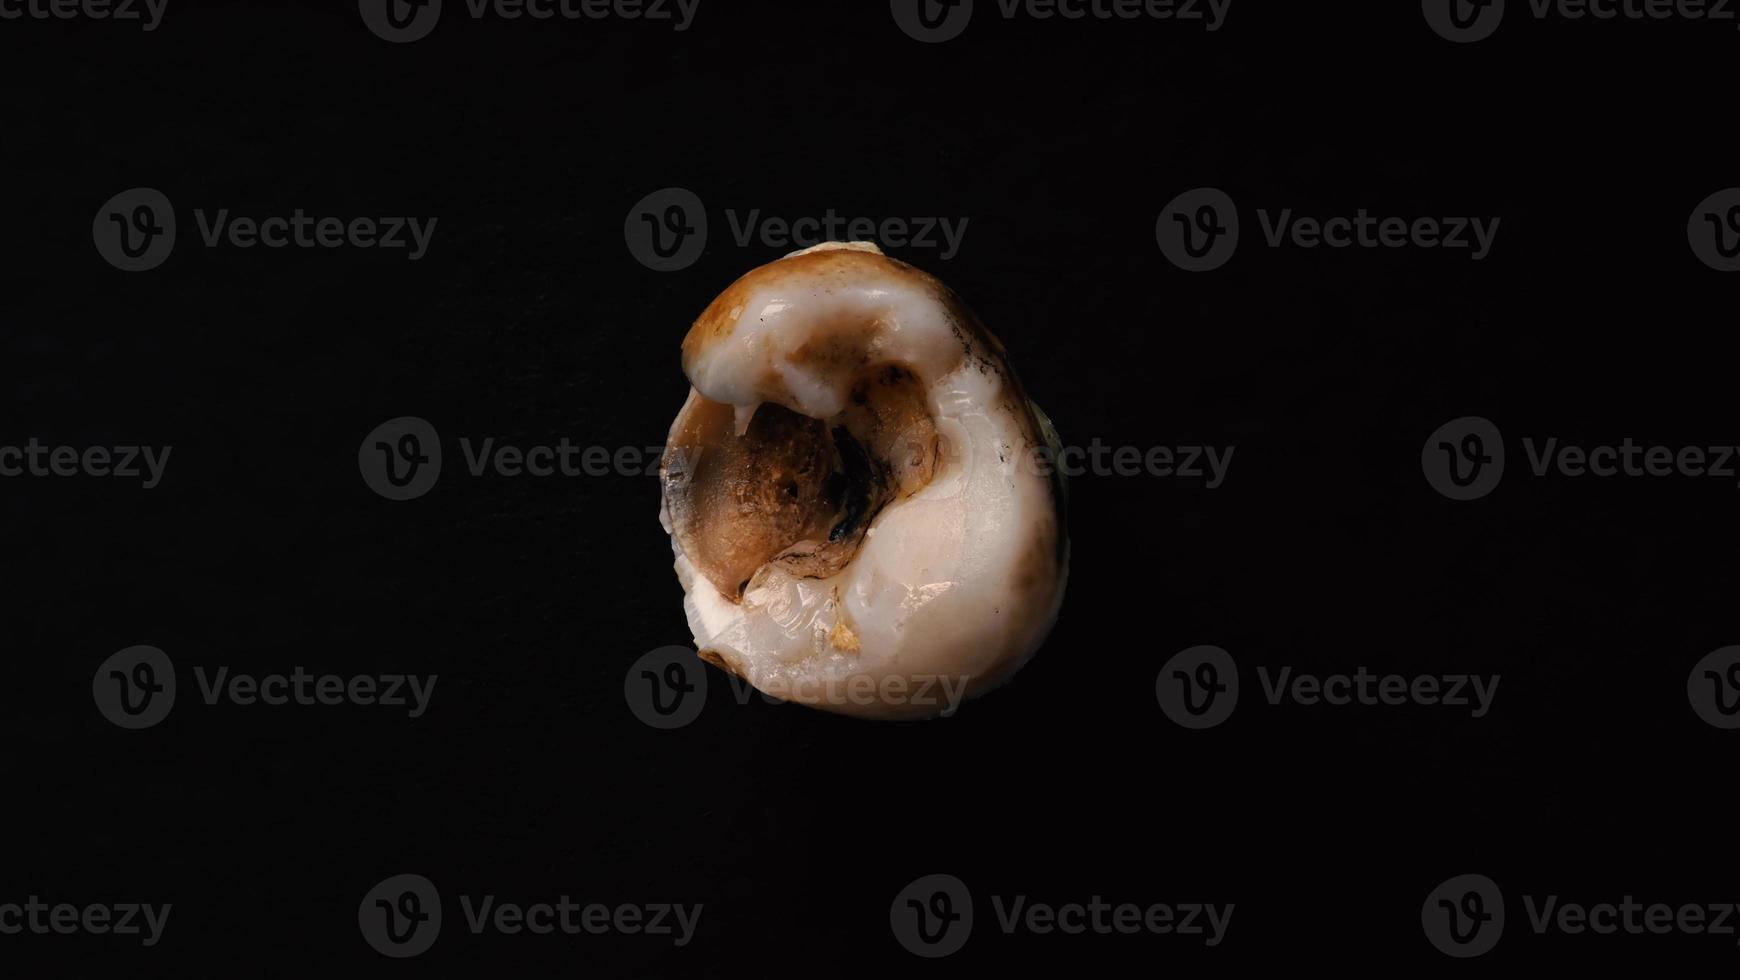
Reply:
x=851, y=490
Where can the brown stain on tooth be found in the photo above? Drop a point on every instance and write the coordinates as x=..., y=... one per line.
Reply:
x=842, y=638
x=794, y=491
x=1035, y=572
x=744, y=498
x=837, y=350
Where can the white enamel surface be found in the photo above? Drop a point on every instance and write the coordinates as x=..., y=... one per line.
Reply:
x=912, y=328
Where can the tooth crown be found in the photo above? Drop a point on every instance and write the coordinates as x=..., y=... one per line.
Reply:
x=945, y=555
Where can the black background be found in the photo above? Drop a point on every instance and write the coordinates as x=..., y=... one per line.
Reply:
x=530, y=321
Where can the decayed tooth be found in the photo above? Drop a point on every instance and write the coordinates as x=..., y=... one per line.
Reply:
x=848, y=493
